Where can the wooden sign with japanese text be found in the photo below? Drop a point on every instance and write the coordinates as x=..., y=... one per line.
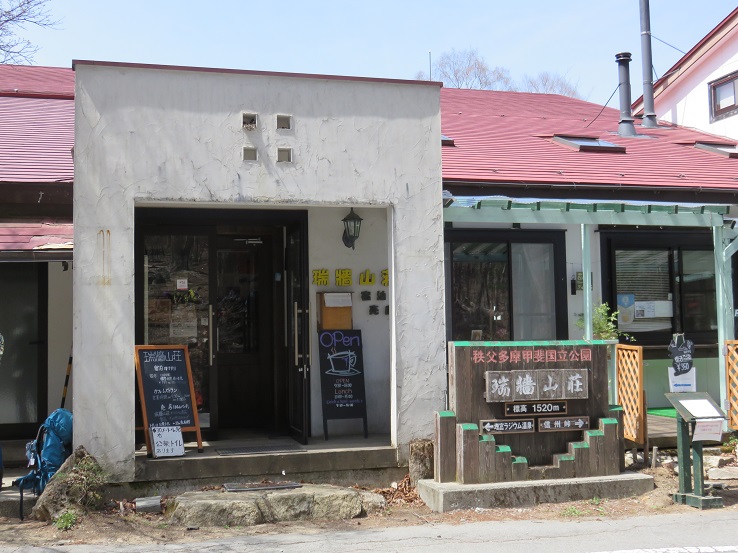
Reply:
x=514, y=426
x=166, y=390
x=563, y=424
x=528, y=408
x=546, y=379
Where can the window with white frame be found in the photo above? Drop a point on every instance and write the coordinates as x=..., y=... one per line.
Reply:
x=723, y=97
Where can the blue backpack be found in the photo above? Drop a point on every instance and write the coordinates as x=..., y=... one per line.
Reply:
x=52, y=446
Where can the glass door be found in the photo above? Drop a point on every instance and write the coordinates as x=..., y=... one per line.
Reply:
x=298, y=317
x=177, y=304
x=243, y=325
x=23, y=394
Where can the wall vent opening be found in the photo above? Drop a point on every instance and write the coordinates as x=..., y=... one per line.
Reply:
x=249, y=121
x=284, y=121
x=249, y=154
x=284, y=155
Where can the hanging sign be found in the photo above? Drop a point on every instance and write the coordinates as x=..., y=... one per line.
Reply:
x=682, y=375
x=708, y=430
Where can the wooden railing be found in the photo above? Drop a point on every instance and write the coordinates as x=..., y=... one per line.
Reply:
x=731, y=374
x=631, y=393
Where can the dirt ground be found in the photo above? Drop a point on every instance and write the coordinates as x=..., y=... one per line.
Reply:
x=122, y=525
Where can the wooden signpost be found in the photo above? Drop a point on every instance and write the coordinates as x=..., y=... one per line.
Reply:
x=167, y=393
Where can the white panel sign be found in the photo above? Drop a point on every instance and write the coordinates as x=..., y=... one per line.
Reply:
x=701, y=408
x=705, y=430
x=166, y=441
x=338, y=299
x=685, y=382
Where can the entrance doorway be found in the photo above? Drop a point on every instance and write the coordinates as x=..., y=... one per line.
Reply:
x=225, y=284
x=23, y=365
x=245, y=303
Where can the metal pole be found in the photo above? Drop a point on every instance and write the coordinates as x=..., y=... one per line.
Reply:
x=587, y=282
x=649, y=111
x=722, y=308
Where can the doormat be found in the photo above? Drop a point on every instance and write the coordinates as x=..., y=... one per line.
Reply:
x=663, y=412
x=272, y=448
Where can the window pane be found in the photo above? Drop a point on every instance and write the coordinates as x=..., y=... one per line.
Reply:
x=19, y=327
x=534, y=302
x=725, y=95
x=645, y=275
x=480, y=291
x=176, y=299
x=699, y=309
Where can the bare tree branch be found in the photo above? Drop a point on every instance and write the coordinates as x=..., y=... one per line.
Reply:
x=550, y=83
x=467, y=69
x=15, y=16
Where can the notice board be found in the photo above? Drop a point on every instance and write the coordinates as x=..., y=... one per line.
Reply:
x=342, y=376
x=167, y=393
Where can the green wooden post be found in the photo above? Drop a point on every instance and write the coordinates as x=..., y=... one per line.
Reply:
x=723, y=287
x=587, y=282
x=685, y=464
x=699, y=474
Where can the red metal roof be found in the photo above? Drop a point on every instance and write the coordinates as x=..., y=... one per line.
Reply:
x=32, y=80
x=505, y=137
x=35, y=234
x=36, y=139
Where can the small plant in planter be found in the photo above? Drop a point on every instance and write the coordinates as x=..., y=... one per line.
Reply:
x=605, y=324
x=730, y=444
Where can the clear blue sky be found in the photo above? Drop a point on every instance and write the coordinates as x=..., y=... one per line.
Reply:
x=379, y=38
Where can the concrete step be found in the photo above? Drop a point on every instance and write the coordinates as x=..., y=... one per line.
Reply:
x=14, y=453
x=10, y=496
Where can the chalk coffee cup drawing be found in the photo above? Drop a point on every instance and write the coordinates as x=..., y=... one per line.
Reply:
x=343, y=363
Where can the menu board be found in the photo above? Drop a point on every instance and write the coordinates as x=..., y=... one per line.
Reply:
x=167, y=393
x=342, y=376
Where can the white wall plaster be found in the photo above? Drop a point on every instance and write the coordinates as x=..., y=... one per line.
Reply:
x=687, y=101
x=327, y=251
x=149, y=135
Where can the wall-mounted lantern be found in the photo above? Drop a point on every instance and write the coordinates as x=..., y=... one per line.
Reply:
x=351, y=229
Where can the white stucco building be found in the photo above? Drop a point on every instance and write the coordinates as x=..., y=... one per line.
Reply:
x=194, y=187
x=699, y=91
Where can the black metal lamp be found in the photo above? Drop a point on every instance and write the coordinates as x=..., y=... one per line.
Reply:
x=351, y=229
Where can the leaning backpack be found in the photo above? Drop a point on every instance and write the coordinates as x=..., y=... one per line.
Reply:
x=52, y=446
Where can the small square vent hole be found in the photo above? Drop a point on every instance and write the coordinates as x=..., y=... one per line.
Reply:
x=249, y=154
x=284, y=121
x=284, y=155
x=249, y=121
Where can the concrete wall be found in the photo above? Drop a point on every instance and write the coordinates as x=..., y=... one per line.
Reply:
x=687, y=101
x=327, y=251
x=60, y=333
x=158, y=136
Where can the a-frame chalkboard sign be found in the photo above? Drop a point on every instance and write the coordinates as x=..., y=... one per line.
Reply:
x=166, y=390
x=342, y=376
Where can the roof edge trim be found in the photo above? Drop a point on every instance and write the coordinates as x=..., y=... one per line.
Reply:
x=76, y=63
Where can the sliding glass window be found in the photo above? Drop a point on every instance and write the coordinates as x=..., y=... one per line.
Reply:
x=503, y=285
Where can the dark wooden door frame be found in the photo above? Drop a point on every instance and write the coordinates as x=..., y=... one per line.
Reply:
x=212, y=222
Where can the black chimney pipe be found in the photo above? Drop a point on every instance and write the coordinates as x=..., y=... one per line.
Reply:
x=625, y=126
x=649, y=111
